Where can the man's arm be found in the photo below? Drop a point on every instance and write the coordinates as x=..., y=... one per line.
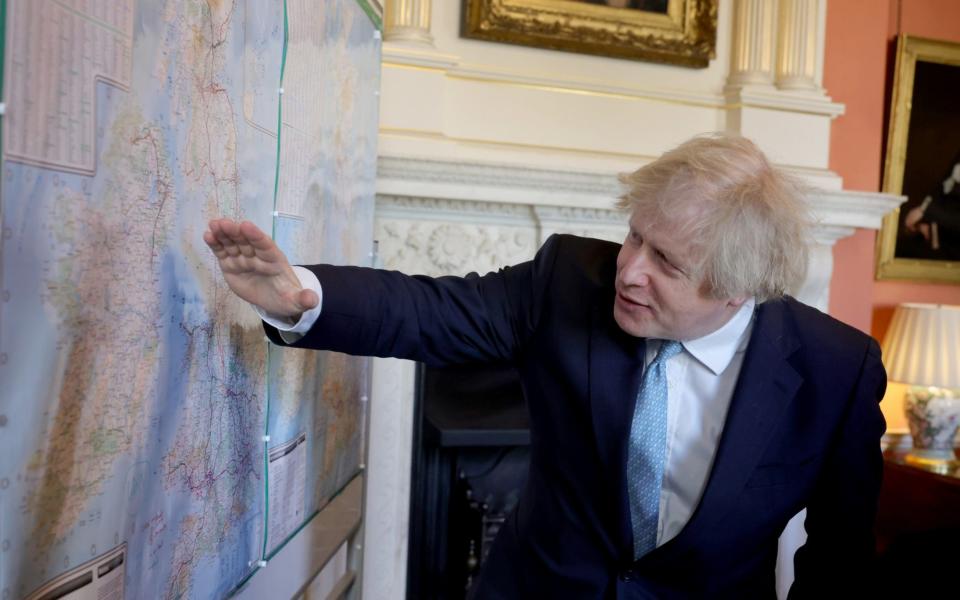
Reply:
x=441, y=320
x=373, y=312
x=839, y=551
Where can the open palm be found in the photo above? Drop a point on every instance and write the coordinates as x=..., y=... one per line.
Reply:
x=256, y=269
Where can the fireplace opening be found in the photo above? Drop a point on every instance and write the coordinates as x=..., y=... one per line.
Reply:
x=470, y=457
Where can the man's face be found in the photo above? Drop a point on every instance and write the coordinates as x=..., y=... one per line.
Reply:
x=656, y=294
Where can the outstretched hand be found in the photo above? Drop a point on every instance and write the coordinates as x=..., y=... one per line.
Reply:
x=256, y=269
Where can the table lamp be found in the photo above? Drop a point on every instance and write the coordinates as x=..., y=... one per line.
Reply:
x=922, y=349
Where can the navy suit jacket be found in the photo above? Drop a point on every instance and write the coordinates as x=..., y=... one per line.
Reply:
x=803, y=429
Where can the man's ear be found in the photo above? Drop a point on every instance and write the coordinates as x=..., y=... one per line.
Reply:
x=737, y=302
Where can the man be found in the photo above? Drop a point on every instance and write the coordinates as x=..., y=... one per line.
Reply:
x=682, y=408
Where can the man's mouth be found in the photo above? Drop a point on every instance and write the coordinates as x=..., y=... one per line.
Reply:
x=631, y=302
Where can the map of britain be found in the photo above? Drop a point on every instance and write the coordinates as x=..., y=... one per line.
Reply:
x=154, y=444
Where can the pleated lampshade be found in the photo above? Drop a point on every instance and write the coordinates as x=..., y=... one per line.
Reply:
x=922, y=345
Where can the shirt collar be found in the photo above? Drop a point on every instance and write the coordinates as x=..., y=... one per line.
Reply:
x=716, y=350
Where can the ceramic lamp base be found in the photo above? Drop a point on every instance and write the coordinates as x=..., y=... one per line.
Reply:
x=933, y=415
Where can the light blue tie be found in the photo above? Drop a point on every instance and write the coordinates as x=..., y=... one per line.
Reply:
x=648, y=450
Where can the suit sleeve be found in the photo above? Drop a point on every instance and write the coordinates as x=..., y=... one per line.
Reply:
x=443, y=320
x=837, y=558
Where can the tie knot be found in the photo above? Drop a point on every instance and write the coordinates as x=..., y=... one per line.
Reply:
x=668, y=349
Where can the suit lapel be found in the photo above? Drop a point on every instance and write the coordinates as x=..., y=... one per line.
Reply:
x=766, y=386
x=616, y=366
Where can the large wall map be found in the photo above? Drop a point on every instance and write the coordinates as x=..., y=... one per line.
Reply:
x=153, y=444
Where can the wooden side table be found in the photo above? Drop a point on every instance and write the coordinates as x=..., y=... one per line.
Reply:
x=917, y=528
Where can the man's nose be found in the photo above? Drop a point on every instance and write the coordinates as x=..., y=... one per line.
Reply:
x=636, y=269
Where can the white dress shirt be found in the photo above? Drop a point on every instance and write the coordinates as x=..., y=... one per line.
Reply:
x=700, y=383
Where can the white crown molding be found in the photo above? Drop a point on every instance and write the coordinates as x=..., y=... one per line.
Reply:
x=428, y=170
x=611, y=217
x=427, y=178
x=837, y=212
x=849, y=208
x=492, y=74
x=451, y=65
x=732, y=97
x=398, y=53
x=815, y=103
x=419, y=208
x=828, y=235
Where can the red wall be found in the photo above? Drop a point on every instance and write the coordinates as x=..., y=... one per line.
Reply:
x=858, y=61
x=857, y=65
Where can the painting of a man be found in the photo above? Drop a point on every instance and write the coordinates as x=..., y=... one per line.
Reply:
x=930, y=219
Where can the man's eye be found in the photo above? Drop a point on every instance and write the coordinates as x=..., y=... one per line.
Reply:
x=666, y=262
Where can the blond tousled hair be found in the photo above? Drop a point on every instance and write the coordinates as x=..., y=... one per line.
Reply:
x=748, y=220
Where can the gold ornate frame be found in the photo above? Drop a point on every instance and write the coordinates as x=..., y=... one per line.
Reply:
x=686, y=35
x=888, y=265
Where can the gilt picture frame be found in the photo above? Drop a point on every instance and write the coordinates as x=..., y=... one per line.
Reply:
x=676, y=32
x=920, y=241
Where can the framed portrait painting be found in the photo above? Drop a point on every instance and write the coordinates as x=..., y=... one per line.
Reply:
x=678, y=32
x=920, y=240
